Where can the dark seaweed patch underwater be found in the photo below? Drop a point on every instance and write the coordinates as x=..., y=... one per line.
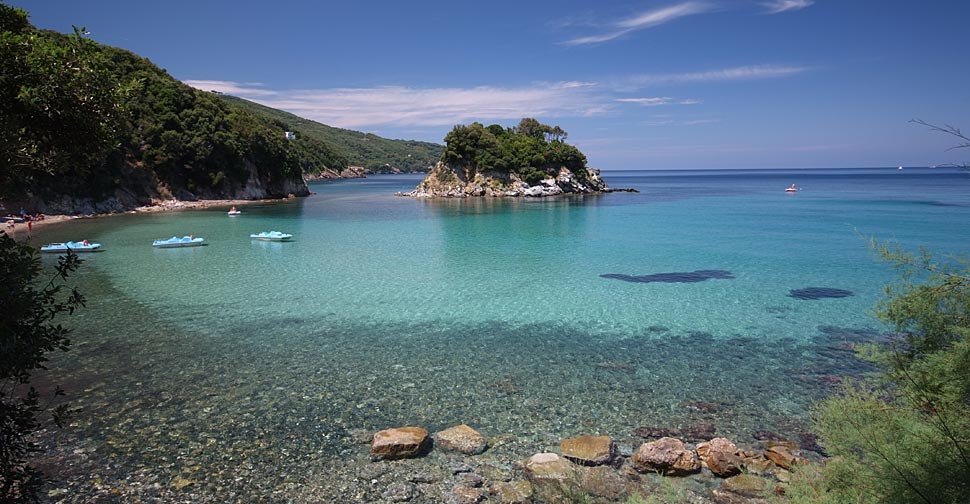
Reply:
x=812, y=293
x=673, y=277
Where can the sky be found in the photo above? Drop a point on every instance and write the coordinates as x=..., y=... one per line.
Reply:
x=696, y=84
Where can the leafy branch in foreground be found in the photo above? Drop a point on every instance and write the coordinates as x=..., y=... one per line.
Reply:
x=28, y=333
x=904, y=434
x=949, y=130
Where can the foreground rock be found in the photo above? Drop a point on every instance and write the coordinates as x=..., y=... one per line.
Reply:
x=666, y=456
x=399, y=443
x=781, y=456
x=588, y=450
x=461, y=438
x=548, y=466
x=721, y=456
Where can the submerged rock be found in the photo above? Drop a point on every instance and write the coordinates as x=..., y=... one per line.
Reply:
x=667, y=456
x=461, y=438
x=398, y=443
x=513, y=492
x=399, y=492
x=465, y=495
x=692, y=433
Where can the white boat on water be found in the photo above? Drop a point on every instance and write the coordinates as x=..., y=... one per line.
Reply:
x=81, y=246
x=233, y=213
x=176, y=242
x=900, y=168
x=271, y=236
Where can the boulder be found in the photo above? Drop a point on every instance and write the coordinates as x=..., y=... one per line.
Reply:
x=461, y=438
x=588, y=450
x=781, y=456
x=401, y=442
x=721, y=456
x=667, y=456
x=548, y=466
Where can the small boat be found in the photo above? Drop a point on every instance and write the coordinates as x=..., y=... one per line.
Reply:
x=81, y=246
x=900, y=168
x=271, y=236
x=174, y=242
x=233, y=212
x=791, y=189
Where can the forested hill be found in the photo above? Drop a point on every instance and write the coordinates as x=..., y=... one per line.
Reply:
x=376, y=154
x=89, y=128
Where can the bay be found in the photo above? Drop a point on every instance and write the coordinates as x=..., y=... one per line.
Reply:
x=535, y=319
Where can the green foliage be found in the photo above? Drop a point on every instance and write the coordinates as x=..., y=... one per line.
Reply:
x=190, y=138
x=350, y=148
x=904, y=435
x=532, y=150
x=670, y=491
x=59, y=105
x=81, y=119
x=27, y=335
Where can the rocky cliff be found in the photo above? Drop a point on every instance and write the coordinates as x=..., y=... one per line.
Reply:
x=446, y=181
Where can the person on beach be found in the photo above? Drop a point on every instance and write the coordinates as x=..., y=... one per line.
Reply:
x=30, y=224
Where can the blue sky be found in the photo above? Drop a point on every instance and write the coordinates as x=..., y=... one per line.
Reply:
x=637, y=84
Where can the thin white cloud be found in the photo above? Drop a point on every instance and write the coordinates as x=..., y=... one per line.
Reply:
x=659, y=100
x=778, y=6
x=672, y=122
x=727, y=74
x=644, y=20
x=406, y=106
x=693, y=122
x=233, y=88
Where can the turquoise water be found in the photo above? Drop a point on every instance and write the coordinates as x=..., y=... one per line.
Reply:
x=387, y=311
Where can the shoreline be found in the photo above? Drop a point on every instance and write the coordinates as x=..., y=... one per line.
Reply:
x=19, y=229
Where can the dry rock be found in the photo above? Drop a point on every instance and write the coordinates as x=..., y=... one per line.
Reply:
x=666, y=456
x=461, y=438
x=588, y=450
x=781, y=456
x=548, y=466
x=399, y=443
x=721, y=456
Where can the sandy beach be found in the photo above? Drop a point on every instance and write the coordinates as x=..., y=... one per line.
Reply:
x=19, y=231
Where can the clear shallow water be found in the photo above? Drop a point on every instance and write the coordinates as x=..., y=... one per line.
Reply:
x=387, y=311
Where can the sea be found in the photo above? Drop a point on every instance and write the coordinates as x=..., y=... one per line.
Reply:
x=709, y=301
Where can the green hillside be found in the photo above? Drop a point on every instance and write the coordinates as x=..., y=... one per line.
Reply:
x=378, y=155
x=88, y=128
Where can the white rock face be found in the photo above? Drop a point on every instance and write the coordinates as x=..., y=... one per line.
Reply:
x=450, y=182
